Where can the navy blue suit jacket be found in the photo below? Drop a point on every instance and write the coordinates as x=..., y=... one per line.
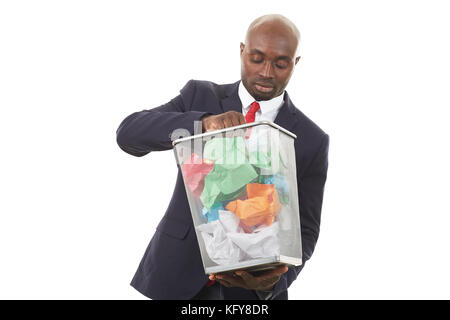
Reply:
x=171, y=267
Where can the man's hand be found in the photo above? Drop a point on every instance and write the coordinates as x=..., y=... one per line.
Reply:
x=223, y=120
x=263, y=282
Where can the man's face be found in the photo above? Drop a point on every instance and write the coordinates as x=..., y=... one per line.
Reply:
x=267, y=62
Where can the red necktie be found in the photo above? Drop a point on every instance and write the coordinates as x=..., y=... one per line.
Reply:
x=250, y=116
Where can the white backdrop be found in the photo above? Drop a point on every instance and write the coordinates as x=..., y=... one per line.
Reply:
x=76, y=213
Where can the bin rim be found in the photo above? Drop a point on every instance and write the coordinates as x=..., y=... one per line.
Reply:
x=242, y=126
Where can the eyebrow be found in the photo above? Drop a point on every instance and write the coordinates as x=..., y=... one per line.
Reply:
x=256, y=51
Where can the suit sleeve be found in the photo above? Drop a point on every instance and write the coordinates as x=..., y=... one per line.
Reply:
x=311, y=189
x=150, y=130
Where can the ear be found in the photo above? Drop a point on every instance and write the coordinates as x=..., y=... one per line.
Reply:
x=242, y=48
x=296, y=59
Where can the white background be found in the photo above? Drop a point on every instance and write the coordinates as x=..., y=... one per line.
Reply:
x=77, y=212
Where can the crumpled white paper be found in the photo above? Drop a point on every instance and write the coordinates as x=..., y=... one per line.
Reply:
x=226, y=242
x=219, y=247
x=284, y=217
x=261, y=243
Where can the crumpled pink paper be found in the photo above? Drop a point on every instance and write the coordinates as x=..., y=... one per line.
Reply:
x=194, y=172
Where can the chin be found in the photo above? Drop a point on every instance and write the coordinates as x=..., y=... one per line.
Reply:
x=262, y=97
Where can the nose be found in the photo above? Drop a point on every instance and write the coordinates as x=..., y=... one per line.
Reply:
x=266, y=70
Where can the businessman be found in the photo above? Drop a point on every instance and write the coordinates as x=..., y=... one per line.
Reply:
x=171, y=267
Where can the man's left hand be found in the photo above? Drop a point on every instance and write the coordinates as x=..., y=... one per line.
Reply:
x=263, y=282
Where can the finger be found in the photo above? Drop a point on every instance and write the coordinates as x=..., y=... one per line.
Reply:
x=224, y=283
x=233, y=113
x=241, y=119
x=235, y=120
x=278, y=271
x=257, y=283
x=232, y=280
x=274, y=273
x=247, y=277
x=225, y=277
x=214, y=125
x=268, y=284
x=228, y=122
x=283, y=269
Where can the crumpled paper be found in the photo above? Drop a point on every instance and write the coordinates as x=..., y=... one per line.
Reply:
x=224, y=184
x=261, y=243
x=226, y=243
x=279, y=181
x=213, y=213
x=229, y=152
x=261, y=206
x=218, y=245
x=231, y=171
x=261, y=159
x=281, y=184
x=194, y=172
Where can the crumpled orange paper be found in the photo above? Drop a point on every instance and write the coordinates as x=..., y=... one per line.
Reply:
x=262, y=205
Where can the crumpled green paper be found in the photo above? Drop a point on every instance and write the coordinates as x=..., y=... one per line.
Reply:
x=229, y=152
x=234, y=168
x=231, y=170
x=223, y=183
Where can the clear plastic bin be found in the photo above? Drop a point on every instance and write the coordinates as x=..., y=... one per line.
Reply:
x=242, y=190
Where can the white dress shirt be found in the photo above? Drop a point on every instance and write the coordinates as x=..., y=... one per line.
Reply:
x=268, y=110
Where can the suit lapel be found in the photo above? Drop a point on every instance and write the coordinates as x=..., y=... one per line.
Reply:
x=231, y=101
x=285, y=117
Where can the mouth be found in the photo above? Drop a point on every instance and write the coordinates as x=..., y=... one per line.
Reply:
x=263, y=87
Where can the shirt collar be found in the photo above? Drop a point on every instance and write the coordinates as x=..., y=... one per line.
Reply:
x=265, y=106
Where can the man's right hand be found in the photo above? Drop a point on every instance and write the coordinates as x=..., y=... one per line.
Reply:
x=223, y=120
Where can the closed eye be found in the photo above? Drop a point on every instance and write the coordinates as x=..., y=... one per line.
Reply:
x=282, y=64
x=256, y=58
x=279, y=66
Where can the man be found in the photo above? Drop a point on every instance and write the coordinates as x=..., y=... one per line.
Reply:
x=171, y=267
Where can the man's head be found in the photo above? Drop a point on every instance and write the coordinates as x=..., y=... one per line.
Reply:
x=268, y=56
